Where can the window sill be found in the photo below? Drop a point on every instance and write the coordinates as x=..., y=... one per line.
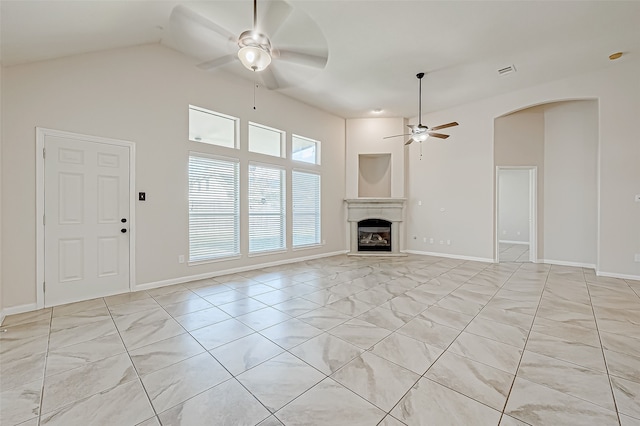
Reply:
x=216, y=260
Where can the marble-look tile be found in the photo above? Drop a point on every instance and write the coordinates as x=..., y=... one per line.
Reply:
x=446, y=317
x=377, y=380
x=20, y=403
x=120, y=299
x=460, y=304
x=322, y=297
x=207, y=288
x=326, y=353
x=168, y=289
x=27, y=317
x=623, y=365
x=225, y=297
x=178, y=382
x=351, y=306
x=429, y=402
x=567, y=350
x=270, y=421
x=143, y=328
x=429, y=332
x=164, y=353
x=153, y=421
x=290, y=333
x=390, y=421
x=125, y=404
x=507, y=334
x=329, y=404
x=625, y=322
x=274, y=297
x=227, y=404
x=245, y=353
x=627, y=395
x=21, y=370
x=386, y=318
x=620, y=343
x=72, y=336
x=74, y=356
x=242, y=306
x=487, y=351
x=405, y=304
x=176, y=297
x=220, y=333
x=73, y=385
x=568, y=378
x=510, y=421
x=324, y=318
x=194, y=320
x=505, y=316
x=32, y=422
x=473, y=379
x=280, y=380
x=360, y=333
x=263, y=318
x=517, y=306
x=78, y=319
x=566, y=331
x=581, y=319
x=375, y=296
x=187, y=306
x=72, y=308
x=19, y=332
x=296, y=306
x=536, y=404
x=134, y=306
x=255, y=289
x=298, y=290
x=628, y=420
x=407, y=352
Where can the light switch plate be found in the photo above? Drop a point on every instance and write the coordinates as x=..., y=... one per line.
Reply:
x=637, y=198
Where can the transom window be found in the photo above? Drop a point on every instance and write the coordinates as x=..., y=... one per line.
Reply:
x=266, y=140
x=212, y=127
x=305, y=150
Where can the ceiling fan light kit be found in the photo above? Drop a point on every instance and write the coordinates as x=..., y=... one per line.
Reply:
x=255, y=50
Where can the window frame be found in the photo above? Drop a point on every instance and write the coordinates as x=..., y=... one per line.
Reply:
x=236, y=127
x=282, y=145
x=317, y=145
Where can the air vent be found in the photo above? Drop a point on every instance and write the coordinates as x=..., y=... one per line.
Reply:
x=507, y=70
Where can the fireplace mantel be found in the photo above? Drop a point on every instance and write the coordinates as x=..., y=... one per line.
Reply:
x=391, y=209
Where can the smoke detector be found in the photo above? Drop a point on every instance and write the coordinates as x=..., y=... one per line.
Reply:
x=507, y=70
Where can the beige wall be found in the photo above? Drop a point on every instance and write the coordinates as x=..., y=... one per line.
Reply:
x=142, y=94
x=374, y=175
x=513, y=205
x=364, y=136
x=570, y=193
x=1, y=192
x=519, y=141
x=458, y=174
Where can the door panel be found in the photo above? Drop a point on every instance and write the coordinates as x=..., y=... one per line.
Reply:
x=86, y=196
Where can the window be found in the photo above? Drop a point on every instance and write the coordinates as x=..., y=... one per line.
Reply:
x=211, y=127
x=305, y=188
x=305, y=150
x=214, y=208
x=265, y=140
x=267, y=207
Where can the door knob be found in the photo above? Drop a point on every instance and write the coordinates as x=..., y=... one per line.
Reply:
x=123, y=230
x=123, y=220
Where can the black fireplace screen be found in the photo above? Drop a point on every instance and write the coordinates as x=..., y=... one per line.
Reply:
x=374, y=235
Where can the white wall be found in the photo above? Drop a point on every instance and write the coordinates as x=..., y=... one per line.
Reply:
x=457, y=174
x=570, y=204
x=1, y=192
x=364, y=136
x=513, y=205
x=142, y=94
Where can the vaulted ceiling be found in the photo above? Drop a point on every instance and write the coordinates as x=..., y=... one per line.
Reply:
x=375, y=48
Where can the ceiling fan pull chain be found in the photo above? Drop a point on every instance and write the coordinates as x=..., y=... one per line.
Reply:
x=420, y=150
x=255, y=86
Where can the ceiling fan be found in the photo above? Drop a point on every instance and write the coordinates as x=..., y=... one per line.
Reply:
x=420, y=132
x=255, y=49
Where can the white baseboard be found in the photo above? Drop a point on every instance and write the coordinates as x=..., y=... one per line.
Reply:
x=185, y=279
x=523, y=243
x=616, y=275
x=17, y=310
x=563, y=263
x=451, y=256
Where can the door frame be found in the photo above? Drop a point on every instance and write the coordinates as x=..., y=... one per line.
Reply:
x=533, y=211
x=41, y=133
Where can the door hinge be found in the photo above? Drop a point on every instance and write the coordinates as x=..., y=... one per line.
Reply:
x=44, y=220
x=44, y=153
x=44, y=287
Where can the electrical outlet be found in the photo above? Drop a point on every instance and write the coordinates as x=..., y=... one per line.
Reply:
x=419, y=203
x=636, y=258
x=518, y=233
x=448, y=242
x=637, y=198
x=441, y=242
x=424, y=239
x=181, y=258
x=430, y=240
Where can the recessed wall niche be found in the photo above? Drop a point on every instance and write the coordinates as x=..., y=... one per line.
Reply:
x=374, y=175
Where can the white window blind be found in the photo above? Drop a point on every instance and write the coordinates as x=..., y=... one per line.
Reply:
x=305, y=188
x=267, y=207
x=214, y=208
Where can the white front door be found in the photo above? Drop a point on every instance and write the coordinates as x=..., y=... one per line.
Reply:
x=86, y=219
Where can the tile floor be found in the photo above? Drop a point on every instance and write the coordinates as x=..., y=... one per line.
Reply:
x=514, y=252
x=337, y=341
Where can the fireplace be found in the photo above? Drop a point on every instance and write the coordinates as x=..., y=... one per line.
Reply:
x=374, y=235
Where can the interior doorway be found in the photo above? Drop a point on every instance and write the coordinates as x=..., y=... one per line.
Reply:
x=516, y=219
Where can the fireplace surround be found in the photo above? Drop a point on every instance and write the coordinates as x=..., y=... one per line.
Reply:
x=388, y=210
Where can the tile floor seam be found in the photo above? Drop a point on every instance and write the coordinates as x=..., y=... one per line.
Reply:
x=44, y=369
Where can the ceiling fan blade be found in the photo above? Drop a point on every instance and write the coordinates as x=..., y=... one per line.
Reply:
x=183, y=17
x=268, y=79
x=276, y=14
x=444, y=126
x=409, y=142
x=215, y=63
x=317, y=61
x=397, y=136
x=438, y=135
